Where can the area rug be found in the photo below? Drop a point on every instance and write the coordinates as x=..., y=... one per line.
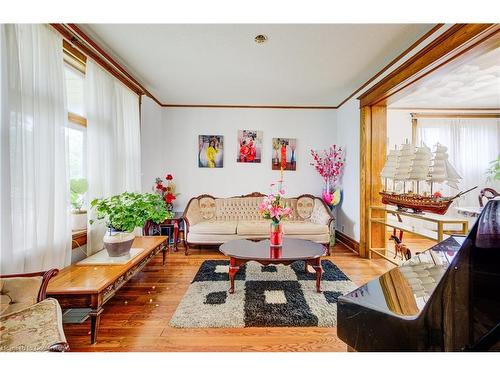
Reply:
x=264, y=296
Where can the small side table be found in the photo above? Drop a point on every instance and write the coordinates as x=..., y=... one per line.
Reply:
x=170, y=227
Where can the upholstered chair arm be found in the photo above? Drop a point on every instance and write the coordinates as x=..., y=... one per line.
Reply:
x=33, y=284
x=192, y=214
x=321, y=213
x=22, y=290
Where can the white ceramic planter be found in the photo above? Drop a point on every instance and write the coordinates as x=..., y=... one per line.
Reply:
x=78, y=221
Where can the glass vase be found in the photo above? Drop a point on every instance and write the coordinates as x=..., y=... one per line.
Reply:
x=276, y=236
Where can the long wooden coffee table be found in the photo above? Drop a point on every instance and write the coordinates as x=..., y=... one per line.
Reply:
x=91, y=286
x=292, y=250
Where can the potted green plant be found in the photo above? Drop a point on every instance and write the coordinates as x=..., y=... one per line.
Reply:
x=123, y=213
x=493, y=171
x=78, y=188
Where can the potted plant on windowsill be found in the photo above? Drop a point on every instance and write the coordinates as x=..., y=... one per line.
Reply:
x=78, y=188
x=123, y=213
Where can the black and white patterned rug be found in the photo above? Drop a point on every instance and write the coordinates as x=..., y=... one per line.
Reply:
x=264, y=296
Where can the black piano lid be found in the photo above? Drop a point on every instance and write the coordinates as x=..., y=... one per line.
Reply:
x=404, y=291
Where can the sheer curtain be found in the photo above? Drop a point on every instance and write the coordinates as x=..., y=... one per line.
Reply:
x=113, y=139
x=35, y=232
x=472, y=144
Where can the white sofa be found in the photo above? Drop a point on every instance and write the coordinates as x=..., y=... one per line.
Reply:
x=213, y=221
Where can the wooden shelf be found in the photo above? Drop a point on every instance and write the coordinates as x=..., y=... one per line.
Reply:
x=425, y=233
x=438, y=234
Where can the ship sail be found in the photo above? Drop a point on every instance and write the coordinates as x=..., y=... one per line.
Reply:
x=405, y=162
x=420, y=164
x=453, y=178
x=391, y=164
x=441, y=170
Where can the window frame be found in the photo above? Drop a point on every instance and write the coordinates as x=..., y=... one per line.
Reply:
x=77, y=60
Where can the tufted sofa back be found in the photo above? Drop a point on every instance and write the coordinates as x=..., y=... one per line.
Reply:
x=245, y=208
x=237, y=208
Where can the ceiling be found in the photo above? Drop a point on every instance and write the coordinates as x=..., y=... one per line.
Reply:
x=473, y=84
x=300, y=64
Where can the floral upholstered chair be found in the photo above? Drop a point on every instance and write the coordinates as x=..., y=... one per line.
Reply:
x=28, y=321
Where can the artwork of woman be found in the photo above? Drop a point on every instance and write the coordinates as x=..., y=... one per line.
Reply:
x=211, y=153
x=283, y=154
x=244, y=151
x=251, y=151
x=249, y=146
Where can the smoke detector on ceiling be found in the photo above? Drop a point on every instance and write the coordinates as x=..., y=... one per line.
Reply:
x=259, y=39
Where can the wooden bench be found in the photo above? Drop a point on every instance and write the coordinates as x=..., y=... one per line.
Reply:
x=91, y=286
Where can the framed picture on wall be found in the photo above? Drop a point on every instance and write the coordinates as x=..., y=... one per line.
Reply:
x=249, y=146
x=210, y=151
x=284, y=154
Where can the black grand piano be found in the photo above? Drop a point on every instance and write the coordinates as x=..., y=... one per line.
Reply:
x=445, y=299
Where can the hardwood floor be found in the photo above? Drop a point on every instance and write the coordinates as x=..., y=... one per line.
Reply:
x=137, y=318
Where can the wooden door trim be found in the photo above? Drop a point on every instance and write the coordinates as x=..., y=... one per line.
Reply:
x=453, y=43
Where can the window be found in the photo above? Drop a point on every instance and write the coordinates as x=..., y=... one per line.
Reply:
x=76, y=130
x=472, y=144
x=74, y=90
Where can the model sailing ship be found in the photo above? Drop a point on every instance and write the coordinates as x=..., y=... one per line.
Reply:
x=411, y=166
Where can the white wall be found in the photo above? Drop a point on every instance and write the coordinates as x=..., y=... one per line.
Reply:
x=170, y=145
x=347, y=134
x=399, y=127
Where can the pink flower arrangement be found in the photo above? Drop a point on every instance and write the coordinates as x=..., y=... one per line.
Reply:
x=273, y=206
x=329, y=164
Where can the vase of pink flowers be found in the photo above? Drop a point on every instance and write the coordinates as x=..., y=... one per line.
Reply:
x=329, y=163
x=274, y=207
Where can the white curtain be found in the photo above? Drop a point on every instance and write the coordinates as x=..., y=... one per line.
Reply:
x=472, y=145
x=113, y=139
x=35, y=232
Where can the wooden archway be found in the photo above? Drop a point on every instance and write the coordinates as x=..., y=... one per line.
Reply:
x=457, y=44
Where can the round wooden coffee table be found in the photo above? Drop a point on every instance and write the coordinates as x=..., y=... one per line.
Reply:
x=243, y=251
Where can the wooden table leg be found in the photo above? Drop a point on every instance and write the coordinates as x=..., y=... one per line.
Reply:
x=164, y=249
x=176, y=234
x=233, y=270
x=95, y=319
x=316, y=264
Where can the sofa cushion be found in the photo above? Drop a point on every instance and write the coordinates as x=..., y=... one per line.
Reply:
x=207, y=207
x=22, y=292
x=214, y=227
x=253, y=228
x=35, y=328
x=304, y=227
x=305, y=207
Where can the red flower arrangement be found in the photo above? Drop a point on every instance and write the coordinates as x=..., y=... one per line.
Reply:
x=167, y=192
